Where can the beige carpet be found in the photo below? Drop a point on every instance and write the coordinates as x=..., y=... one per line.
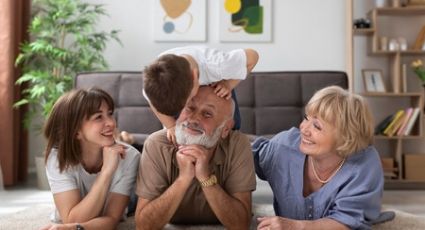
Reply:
x=38, y=216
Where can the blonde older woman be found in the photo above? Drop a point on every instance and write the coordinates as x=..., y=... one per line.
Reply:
x=326, y=174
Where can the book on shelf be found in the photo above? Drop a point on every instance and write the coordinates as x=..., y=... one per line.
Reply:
x=411, y=122
x=397, y=125
x=408, y=114
x=394, y=123
x=379, y=129
x=400, y=123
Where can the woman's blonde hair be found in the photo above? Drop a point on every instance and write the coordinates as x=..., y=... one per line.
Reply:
x=349, y=113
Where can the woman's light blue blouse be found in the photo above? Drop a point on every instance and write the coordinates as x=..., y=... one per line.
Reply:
x=352, y=196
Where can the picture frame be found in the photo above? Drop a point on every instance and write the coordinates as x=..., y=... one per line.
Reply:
x=177, y=21
x=250, y=22
x=373, y=81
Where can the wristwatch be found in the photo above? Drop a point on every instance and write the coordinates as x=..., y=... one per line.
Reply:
x=212, y=180
x=79, y=227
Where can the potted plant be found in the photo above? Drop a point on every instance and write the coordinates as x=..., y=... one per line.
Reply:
x=419, y=69
x=63, y=42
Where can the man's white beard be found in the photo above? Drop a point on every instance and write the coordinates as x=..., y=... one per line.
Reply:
x=184, y=138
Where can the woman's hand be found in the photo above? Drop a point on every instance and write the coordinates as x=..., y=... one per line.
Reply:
x=59, y=227
x=111, y=157
x=277, y=223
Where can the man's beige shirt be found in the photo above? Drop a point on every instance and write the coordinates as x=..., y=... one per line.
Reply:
x=232, y=163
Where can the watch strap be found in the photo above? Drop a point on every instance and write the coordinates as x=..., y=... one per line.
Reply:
x=212, y=180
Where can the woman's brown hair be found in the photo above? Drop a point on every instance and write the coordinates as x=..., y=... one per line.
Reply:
x=65, y=120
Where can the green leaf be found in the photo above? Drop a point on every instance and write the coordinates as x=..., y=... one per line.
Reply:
x=20, y=103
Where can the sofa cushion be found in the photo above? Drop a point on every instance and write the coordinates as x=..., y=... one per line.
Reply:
x=270, y=102
x=130, y=93
x=271, y=90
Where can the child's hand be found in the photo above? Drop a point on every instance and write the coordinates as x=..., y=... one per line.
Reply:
x=222, y=90
x=171, y=135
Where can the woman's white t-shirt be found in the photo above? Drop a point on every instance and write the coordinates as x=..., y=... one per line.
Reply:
x=123, y=181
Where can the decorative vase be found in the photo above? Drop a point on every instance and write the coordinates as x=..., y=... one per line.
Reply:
x=395, y=3
x=380, y=3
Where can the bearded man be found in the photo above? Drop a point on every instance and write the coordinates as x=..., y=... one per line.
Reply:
x=207, y=179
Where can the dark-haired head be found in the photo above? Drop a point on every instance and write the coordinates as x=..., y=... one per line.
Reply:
x=168, y=83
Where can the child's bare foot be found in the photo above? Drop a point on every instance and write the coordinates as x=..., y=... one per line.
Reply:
x=127, y=137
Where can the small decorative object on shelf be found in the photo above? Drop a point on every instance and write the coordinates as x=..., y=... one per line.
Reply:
x=380, y=3
x=404, y=3
x=393, y=45
x=373, y=82
x=418, y=68
x=402, y=43
x=395, y=3
x=361, y=23
x=420, y=40
x=383, y=43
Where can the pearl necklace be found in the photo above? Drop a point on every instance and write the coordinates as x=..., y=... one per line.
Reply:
x=330, y=177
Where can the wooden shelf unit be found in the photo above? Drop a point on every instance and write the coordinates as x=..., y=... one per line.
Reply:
x=415, y=99
x=399, y=11
x=362, y=31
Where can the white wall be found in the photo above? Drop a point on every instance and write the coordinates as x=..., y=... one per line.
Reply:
x=306, y=35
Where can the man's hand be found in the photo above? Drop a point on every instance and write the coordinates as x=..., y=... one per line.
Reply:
x=171, y=135
x=222, y=89
x=202, y=157
x=186, y=165
x=277, y=223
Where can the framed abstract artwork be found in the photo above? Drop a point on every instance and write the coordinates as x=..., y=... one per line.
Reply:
x=245, y=20
x=179, y=20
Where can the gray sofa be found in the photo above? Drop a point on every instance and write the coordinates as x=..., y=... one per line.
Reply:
x=269, y=102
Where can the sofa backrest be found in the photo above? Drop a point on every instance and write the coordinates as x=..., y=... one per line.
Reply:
x=269, y=102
